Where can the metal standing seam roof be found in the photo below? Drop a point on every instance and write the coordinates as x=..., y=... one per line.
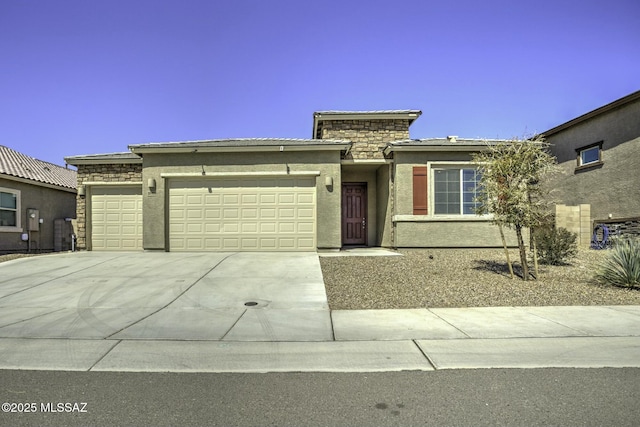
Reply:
x=14, y=163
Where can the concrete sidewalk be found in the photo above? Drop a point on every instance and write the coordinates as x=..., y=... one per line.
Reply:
x=366, y=341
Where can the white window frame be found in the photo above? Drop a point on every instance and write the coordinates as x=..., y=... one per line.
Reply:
x=432, y=190
x=18, y=227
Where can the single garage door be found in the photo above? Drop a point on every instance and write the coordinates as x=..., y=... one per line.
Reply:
x=116, y=218
x=258, y=214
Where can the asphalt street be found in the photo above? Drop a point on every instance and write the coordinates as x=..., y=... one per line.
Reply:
x=486, y=397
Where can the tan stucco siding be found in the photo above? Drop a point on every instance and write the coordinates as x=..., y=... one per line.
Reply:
x=610, y=188
x=384, y=206
x=432, y=230
x=451, y=234
x=52, y=204
x=327, y=198
x=404, y=164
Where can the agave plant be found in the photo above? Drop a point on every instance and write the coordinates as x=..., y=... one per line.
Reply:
x=621, y=267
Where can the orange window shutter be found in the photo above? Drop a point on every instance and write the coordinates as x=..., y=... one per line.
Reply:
x=420, y=190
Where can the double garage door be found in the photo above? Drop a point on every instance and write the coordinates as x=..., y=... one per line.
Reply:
x=260, y=214
x=116, y=218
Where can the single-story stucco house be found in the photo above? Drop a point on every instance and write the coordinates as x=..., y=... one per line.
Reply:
x=360, y=180
x=37, y=202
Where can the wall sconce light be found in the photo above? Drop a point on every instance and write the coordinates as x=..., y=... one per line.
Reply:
x=151, y=183
x=81, y=191
x=328, y=181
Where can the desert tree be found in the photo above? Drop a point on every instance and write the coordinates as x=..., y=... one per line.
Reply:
x=512, y=187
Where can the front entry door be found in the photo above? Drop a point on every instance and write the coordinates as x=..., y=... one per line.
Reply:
x=354, y=214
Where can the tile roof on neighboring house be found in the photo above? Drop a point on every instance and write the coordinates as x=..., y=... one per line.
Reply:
x=16, y=164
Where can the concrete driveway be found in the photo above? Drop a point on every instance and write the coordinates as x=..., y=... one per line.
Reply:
x=166, y=296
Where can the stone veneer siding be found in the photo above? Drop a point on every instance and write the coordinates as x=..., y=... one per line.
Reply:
x=129, y=172
x=368, y=136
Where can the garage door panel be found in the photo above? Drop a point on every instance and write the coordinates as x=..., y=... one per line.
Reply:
x=212, y=199
x=286, y=198
x=305, y=213
x=230, y=199
x=249, y=199
x=267, y=213
x=230, y=213
x=231, y=243
x=268, y=227
x=194, y=228
x=212, y=228
x=286, y=227
x=244, y=214
x=230, y=227
x=249, y=227
x=213, y=213
x=286, y=212
x=305, y=227
x=116, y=218
x=305, y=199
x=249, y=213
x=267, y=199
x=194, y=199
x=195, y=213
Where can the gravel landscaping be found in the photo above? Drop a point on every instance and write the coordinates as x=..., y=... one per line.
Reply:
x=462, y=278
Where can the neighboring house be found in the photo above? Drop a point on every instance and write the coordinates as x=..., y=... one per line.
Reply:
x=33, y=195
x=359, y=181
x=599, y=155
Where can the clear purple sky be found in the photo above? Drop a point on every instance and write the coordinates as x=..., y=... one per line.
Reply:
x=92, y=76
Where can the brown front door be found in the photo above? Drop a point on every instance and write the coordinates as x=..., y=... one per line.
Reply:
x=354, y=214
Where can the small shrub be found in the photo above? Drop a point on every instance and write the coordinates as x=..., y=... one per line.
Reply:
x=555, y=245
x=621, y=267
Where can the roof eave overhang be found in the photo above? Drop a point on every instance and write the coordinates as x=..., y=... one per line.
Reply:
x=443, y=148
x=409, y=115
x=77, y=161
x=252, y=148
x=591, y=114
